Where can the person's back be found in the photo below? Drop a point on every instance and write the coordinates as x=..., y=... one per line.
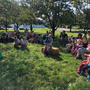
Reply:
x=79, y=36
x=24, y=43
x=4, y=38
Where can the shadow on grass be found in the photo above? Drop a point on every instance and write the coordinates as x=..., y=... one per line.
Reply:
x=57, y=57
x=59, y=44
x=23, y=49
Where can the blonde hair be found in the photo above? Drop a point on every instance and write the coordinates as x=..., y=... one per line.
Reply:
x=50, y=35
x=79, y=40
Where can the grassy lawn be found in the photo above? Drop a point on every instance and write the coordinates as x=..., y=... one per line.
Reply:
x=32, y=70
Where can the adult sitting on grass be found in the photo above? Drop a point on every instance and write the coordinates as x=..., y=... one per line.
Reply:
x=63, y=38
x=20, y=43
x=81, y=51
x=24, y=43
x=48, y=43
x=4, y=38
x=48, y=49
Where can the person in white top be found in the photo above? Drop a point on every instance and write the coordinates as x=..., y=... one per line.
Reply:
x=24, y=42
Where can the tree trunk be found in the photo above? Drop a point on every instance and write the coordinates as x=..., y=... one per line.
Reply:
x=84, y=30
x=53, y=31
x=17, y=27
x=6, y=27
x=70, y=28
x=31, y=28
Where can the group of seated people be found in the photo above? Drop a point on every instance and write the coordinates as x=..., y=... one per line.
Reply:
x=35, y=38
x=6, y=37
x=22, y=41
x=78, y=46
x=63, y=38
x=84, y=68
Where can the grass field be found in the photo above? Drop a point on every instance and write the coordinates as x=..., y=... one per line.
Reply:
x=31, y=70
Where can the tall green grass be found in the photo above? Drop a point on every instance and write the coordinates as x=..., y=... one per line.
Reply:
x=32, y=70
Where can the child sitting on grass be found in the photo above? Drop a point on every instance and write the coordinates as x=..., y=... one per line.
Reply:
x=20, y=42
x=4, y=38
x=24, y=43
x=78, y=45
x=69, y=45
x=84, y=68
x=83, y=49
x=17, y=42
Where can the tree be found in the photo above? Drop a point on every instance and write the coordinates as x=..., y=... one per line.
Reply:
x=87, y=17
x=27, y=15
x=16, y=13
x=80, y=6
x=51, y=12
x=80, y=20
x=69, y=19
x=5, y=15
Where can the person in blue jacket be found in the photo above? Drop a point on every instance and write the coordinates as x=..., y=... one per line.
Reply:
x=86, y=71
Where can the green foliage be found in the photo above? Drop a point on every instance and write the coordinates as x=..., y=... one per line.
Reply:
x=5, y=15
x=80, y=4
x=52, y=12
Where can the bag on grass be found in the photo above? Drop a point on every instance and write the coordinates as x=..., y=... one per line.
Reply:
x=1, y=56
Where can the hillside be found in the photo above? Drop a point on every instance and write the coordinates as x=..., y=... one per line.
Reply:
x=32, y=70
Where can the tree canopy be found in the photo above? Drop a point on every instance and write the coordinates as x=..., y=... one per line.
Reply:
x=51, y=13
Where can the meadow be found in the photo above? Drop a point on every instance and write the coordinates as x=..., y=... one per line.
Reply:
x=32, y=70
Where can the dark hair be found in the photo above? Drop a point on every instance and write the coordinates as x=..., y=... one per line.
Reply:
x=88, y=31
x=64, y=31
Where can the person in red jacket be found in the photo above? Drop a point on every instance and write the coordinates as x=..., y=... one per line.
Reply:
x=84, y=68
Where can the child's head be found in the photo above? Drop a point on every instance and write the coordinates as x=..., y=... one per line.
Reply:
x=50, y=35
x=24, y=38
x=70, y=40
x=79, y=41
x=84, y=39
